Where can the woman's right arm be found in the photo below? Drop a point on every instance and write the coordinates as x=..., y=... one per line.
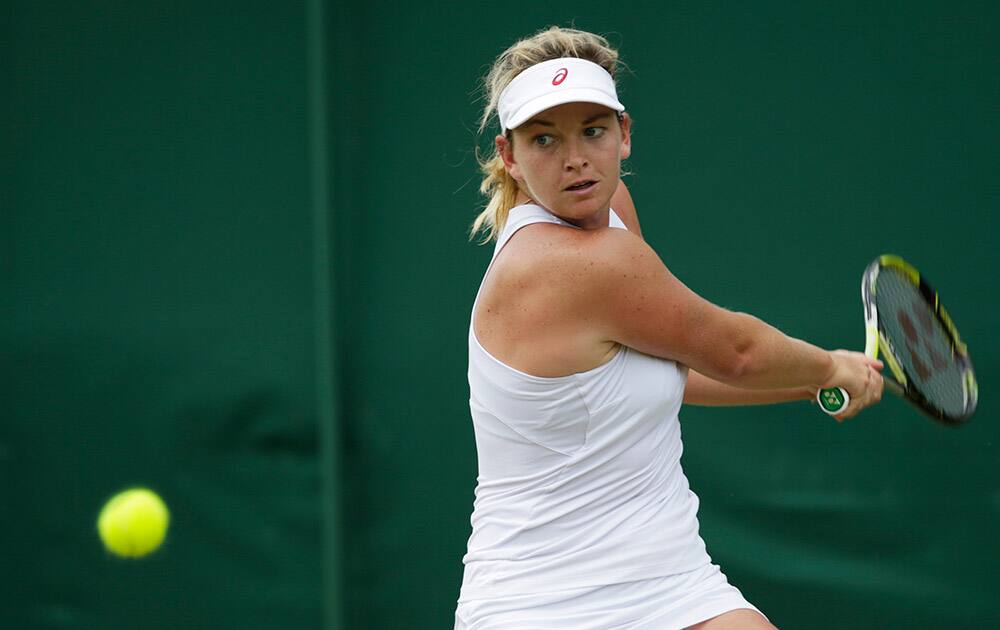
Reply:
x=636, y=301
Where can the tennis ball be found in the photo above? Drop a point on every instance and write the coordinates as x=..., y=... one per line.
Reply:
x=133, y=523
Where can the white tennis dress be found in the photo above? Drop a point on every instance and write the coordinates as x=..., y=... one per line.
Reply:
x=583, y=517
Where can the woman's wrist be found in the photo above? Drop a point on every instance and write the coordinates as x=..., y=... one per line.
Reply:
x=829, y=371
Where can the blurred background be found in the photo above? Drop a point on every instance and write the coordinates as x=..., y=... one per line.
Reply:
x=236, y=269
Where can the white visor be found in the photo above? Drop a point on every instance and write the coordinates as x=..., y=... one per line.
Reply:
x=555, y=82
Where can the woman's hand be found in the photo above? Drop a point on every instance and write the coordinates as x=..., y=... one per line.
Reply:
x=861, y=376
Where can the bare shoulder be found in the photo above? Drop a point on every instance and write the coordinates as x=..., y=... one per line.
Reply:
x=573, y=265
x=560, y=300
x=630, y=297
x=532, y=312
x=609, y=262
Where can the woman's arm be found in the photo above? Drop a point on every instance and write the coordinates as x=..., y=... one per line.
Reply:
x=705, y=391
x=701, y=389
x=627, y=295
x=624, y=207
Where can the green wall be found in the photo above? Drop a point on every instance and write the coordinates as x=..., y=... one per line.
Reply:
x=236, y=269
x=161, y=330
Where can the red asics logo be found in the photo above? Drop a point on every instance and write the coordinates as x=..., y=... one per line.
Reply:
x=560, y=76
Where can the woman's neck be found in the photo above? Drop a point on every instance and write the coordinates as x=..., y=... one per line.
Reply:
x=600, y=219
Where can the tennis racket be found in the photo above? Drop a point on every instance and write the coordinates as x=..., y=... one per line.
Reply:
x=908, y=328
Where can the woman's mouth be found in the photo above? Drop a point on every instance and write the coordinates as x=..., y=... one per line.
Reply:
x=583, y=186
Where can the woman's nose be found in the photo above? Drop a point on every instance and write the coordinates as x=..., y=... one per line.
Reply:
x=575, y=158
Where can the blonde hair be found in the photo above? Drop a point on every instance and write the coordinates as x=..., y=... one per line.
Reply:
x=551, y=43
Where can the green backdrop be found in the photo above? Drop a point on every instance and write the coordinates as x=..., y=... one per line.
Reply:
x=236, y=269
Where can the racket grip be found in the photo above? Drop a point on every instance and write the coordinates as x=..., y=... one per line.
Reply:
x=833, y=400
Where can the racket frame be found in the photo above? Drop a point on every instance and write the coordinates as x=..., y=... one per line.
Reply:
x=876, y=344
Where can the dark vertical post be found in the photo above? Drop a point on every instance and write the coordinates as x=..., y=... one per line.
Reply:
x=326, y=365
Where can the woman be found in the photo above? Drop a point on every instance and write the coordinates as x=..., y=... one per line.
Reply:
x=582, y=348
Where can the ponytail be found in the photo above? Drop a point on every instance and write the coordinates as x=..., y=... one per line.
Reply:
x=501, y=189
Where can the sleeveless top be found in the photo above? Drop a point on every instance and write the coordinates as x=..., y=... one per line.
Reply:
x=580, y=482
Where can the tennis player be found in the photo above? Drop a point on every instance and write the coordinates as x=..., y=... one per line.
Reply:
x=582, y=348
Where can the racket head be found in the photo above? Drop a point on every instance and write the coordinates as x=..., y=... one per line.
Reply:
x=907, y=326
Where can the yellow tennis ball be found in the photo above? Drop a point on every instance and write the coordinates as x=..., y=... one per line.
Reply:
x=133, y=523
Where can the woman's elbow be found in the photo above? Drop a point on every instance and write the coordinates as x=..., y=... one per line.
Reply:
x=742, y=355
x=739, y=367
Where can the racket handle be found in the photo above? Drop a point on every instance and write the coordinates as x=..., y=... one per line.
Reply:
x=833, y=400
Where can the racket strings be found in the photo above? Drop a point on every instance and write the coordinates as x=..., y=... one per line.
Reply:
x=920, y=342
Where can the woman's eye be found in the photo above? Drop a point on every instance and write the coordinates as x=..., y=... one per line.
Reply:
x=594, y=132
x=544, y=140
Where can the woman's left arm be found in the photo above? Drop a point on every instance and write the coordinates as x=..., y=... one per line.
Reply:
x=705, y=391
x=624, y=207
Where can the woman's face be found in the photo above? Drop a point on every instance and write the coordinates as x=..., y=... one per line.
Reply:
x=568, y=160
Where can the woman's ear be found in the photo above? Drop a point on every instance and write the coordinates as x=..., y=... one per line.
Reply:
x=506, y=150
x=625, y=122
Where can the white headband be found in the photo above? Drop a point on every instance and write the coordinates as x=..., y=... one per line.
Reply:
x=555, y=82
